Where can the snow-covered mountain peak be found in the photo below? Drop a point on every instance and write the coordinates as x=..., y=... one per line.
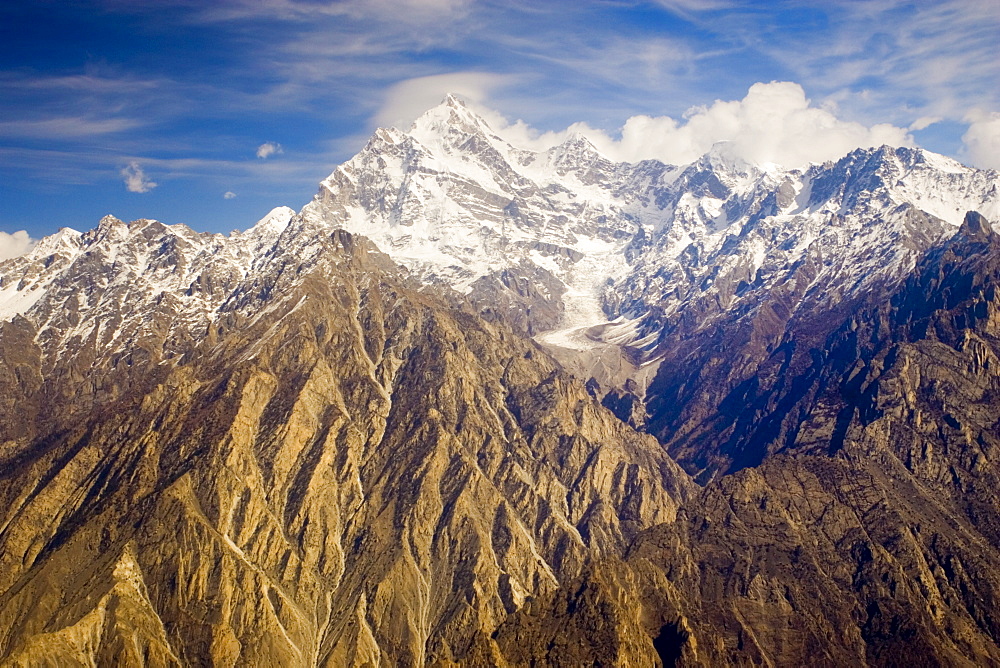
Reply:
x=274, y=223
x=576, y=144
x=726, y=160
x=453, y=127
x=108, y=227
x=65, y=240
x=886, y=177
x=577, y=154
x=573, y=239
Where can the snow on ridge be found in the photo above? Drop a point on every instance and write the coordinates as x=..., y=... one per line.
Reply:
x=273, y=224
x=452, y=200
x=144, y=255
x=14, y=302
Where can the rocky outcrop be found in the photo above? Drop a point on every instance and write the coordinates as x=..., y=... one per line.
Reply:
x=810, y=381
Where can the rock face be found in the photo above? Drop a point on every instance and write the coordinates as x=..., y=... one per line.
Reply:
x=282, y=447
x=805, y=379
x=811, y=561
x=879, y=544
x=342, y=470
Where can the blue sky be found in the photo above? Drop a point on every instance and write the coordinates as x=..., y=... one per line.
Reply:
x=210, y=114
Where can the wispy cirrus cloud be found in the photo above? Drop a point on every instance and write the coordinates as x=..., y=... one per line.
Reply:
x=640, y=62
x=103, y=102
x=68, y=127
x=897, y=58
x=91, y=167
x=89, y=83
x=396, y=11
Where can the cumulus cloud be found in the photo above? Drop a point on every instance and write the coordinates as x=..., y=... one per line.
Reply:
x=13, y=245
x=135, y=179
x=267, y=149
x=982, y=140
x=408, y=99
x=229, y=194
x=774, y=123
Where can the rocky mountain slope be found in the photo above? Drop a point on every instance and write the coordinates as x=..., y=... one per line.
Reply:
x=329, y=466
x=616, y=267
x=877, y=548
x=282, y=447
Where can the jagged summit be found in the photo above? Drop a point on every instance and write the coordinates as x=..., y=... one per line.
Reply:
x=576, y=145
x=458, y=205
x=453, y=127
x=975, y=227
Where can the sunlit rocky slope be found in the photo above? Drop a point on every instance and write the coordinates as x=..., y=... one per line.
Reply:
x=285, y=447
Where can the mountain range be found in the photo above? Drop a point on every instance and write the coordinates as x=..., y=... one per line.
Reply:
x=481, y=405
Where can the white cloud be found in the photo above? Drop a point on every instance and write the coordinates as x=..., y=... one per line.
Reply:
x=135, y=179
x=13, y=245
x=407, y=100
x=267, y=149
x=691, y=6
x=774, y=123
x=417, y=10
x=982, y=140
x=924, y=122
x=69, y=127
x=229, y=194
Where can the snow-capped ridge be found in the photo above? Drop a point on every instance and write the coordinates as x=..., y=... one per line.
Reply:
x=568, y=239
x=576, y=144
x=454, y=202
x=274, y=223
x=887, y=176
x=450, y=114
x=66, y=239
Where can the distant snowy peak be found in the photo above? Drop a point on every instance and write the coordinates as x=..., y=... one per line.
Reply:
x=451, y=125
x=111, y=265
x=560, y=238
x=274, y=223
x=887, y=177
x=574, y=153
x=457, y=204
